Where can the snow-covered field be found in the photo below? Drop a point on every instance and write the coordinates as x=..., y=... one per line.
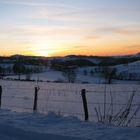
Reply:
x=65, y=99
x=34, y=126
x=60, y=113
x=48, y=75
x=53, y=76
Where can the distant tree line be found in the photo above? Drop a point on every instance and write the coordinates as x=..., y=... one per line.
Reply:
x=111, y=61
x=19, y=68
x=62, y=65
x=103, y=67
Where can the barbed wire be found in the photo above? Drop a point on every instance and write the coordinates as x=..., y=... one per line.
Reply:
x=70, y=101
x=44, y=95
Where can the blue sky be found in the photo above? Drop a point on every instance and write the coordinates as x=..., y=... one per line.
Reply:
x=61, y=27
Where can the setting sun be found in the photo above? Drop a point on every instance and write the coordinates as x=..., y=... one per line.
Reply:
x=43, y=53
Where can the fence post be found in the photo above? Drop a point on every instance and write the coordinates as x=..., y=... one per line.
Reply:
x=83, y=93
x=35, y=99
x=0, y=95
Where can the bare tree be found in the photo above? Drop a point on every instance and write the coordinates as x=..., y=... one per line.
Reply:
x=19, y=67
x=109, y=73
x=70, y=75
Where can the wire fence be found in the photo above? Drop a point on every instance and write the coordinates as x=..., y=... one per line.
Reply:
x=103, y=102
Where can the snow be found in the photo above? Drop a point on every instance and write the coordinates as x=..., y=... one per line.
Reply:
x=67, y=120
x=57, y=76
x=35, y=126
x=54, y=76
x=65, y=99
x=48, y=75
x=131, y=67
x=5, y=65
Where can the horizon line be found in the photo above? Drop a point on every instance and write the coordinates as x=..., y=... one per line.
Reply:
x=70, y=55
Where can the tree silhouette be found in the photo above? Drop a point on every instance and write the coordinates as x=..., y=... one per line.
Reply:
x=70, y=75
x=18, y=68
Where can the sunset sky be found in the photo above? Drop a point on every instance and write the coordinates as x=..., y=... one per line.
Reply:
x=63, y=27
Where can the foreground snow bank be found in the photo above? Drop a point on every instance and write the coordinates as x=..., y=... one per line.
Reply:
x=12, y=133
x=29, y=126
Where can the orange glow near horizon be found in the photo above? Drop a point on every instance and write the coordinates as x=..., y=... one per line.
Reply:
x=95, y=51
x=50, y=28
x=67, y=53
x=42, y=53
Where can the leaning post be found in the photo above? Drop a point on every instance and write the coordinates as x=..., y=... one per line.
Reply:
x=83, y=93
x=0, y=95
x=35, y=99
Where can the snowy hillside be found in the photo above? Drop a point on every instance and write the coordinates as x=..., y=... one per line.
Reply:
x=130, y=71
x=53, y=76
x=51, y=69
x=34, y=126
x=130, y=67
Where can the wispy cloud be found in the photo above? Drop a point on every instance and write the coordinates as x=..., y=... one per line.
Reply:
x=121, y=30
x=133, y=47
x=91, y=37
x=39, y=3
x=65, y=12
x=37, y=30
x=79, y=47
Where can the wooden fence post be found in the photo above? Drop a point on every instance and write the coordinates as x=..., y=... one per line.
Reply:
x=83, y=93
x=35, y=99
x=0, y=95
